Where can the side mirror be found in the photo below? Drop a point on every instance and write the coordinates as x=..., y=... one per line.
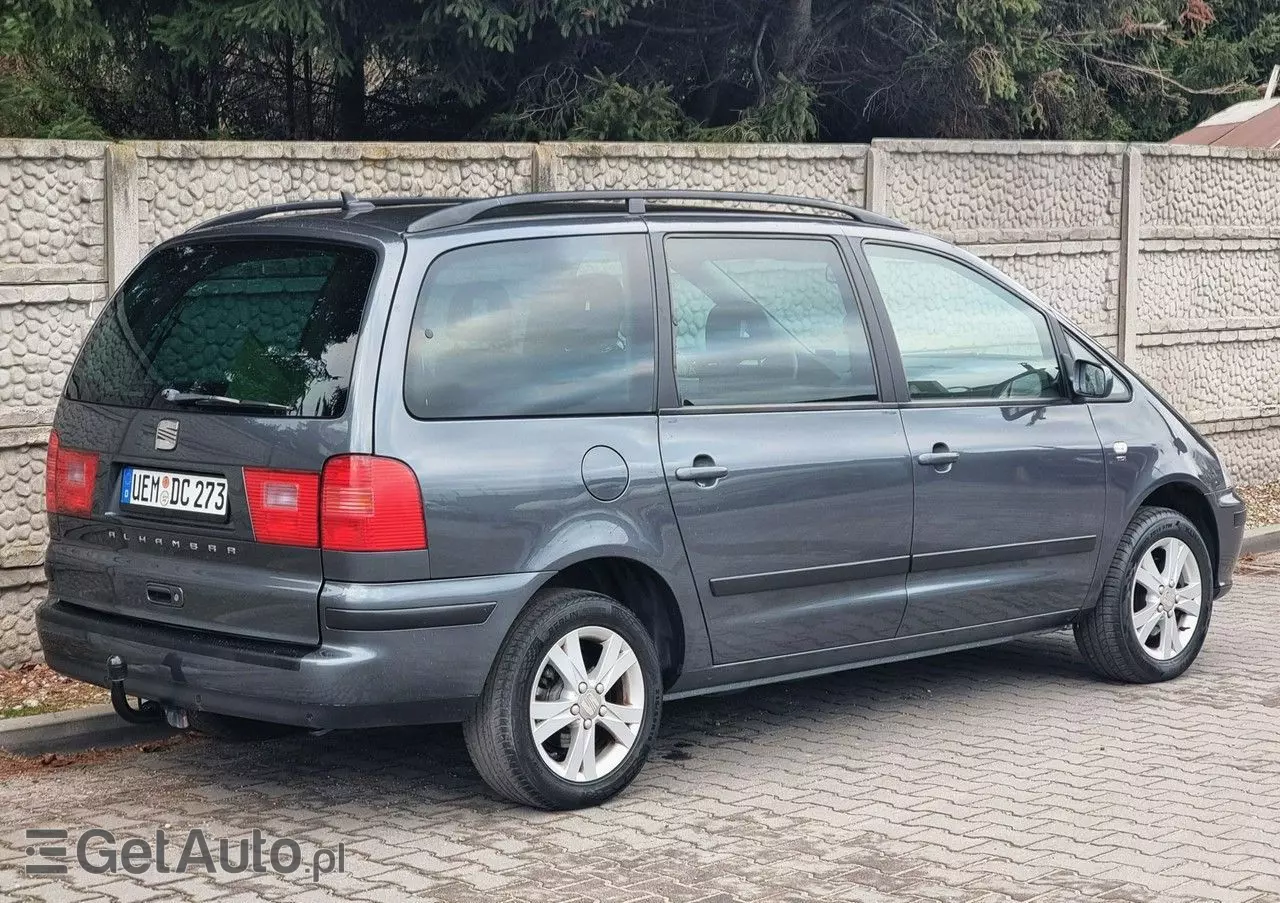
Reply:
x=1090, y=379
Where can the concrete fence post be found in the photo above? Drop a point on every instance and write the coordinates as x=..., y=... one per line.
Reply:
x=877, y=188
x=120, y=214
x=1127, y=321
x=545, y=167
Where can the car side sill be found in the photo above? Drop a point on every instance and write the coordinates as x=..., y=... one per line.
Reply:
x=741, y=675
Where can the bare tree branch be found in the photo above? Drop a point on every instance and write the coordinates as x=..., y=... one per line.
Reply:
x=761, y=87
x=1233, y=88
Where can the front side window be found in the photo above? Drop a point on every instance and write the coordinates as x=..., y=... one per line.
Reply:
x=534, y=327
x=766, y=321
x=270, y=323
x=961, y=335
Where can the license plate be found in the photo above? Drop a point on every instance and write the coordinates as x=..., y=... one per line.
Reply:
x=170, y=491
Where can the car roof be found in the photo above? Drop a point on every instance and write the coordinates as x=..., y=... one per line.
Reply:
x=386, y=218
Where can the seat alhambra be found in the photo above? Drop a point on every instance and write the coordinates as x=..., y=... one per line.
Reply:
x=539, y=463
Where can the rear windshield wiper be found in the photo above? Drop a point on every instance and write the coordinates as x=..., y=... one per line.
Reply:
x=177, y=396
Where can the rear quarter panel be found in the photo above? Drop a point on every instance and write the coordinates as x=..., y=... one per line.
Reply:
x=507, y=495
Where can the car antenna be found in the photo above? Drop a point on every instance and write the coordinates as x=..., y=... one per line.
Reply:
x=352, y=204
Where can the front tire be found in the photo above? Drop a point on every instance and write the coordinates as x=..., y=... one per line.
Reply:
x=1152, y=616
x=571, y=707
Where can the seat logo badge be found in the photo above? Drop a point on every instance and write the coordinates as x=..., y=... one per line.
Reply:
x=166, y=435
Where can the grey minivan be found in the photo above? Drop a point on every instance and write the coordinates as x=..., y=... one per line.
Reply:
x=538, y=463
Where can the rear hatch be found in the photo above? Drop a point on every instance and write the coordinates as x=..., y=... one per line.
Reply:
x=186, y=453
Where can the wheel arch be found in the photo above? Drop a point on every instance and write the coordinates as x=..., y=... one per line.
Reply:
x=640, y=588
x=1187, y=498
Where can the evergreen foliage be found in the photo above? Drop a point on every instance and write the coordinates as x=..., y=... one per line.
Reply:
x=644, y=70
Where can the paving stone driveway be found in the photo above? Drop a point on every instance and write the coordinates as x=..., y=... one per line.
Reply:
x=993, y=775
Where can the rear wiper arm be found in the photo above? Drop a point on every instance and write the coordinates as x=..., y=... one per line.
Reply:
x=177, y=396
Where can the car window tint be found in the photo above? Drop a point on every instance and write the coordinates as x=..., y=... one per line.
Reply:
x=271, y=321
x=961, y=335
x=534, y=327
x=765, y=321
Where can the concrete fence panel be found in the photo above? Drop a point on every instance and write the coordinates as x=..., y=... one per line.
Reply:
x=52, y=281
x=182, y=183
x=836, y=172
x=1208, y=309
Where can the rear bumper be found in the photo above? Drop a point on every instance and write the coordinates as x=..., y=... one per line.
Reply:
x=390, y=654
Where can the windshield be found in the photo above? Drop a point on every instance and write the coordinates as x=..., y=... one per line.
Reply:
x=262, y=327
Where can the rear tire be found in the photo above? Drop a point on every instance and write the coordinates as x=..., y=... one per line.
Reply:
x=237, y=730
x=1152, y=616
x=559, y=729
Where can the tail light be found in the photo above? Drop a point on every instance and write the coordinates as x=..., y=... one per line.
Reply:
x=360, y=503
x=370, y=504
x=69, y=476
x=283, y=506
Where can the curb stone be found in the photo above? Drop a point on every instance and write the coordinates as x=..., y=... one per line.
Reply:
x=1260, y=540
x=74, y=730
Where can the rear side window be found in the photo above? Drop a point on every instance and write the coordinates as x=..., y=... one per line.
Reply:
x=766, y=321
x=534, y=327
x=271, y=324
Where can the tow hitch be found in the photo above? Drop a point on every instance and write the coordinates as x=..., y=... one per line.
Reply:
x=147, y=712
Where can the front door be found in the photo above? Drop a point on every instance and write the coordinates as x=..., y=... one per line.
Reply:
x=790, y=479
x=1009, y=473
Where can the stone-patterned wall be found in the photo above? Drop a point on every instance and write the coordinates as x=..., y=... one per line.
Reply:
x=52, y=282
x=832, y=171
x=1208, y=311
x=182, y=183
x=1185, y=278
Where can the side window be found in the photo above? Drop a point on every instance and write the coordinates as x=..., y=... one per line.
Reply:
x=534, y=327
x=961, y=335
x=1120, y=390
x=766, y=321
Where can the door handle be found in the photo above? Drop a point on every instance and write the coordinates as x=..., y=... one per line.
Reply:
x=936, y=459
x=942, y=457
x=698, y=474
x=162, y=594
x=705, y=471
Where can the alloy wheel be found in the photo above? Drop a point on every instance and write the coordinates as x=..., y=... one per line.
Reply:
x=587, y=704
x=1165, y=598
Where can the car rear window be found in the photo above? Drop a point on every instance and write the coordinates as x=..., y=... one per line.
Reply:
x=269, y=324
x=532, y=327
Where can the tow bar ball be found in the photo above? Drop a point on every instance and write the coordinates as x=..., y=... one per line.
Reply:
x=148, y=711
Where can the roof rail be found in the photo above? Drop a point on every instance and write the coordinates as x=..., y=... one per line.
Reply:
x=346, y=202
x=634, y=201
